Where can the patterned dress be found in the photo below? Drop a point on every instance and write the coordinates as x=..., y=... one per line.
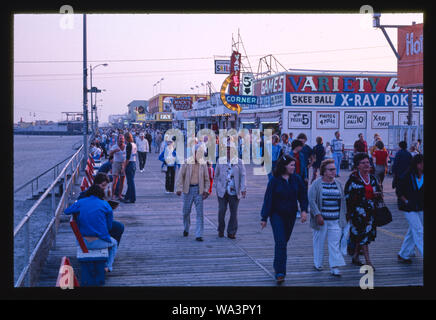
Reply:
x=361, y=208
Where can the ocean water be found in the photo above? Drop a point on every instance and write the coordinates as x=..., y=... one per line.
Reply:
x=32, y=156
x=35, y=154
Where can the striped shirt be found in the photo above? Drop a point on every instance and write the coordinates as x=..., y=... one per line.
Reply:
x=331, y=201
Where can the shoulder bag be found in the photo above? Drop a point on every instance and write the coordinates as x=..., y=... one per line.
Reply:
x=383, y=215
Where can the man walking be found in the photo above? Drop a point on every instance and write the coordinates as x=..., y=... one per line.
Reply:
x=143, y=148
x=230, y=186
x=337, y=151
x=360, y=145
x=193, y=181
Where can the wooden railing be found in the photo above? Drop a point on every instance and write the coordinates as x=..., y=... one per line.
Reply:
x=34, y=258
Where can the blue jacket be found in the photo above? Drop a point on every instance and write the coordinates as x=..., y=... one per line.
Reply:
x=162, y=158
x=275, y=152
x=95, y=218
x=105, y=167
x=408, y=188
x=401, y=162
x=282, y=197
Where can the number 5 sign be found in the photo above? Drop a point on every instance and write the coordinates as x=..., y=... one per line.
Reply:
x=247, y=84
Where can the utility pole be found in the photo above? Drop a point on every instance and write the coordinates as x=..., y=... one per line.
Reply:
x=376, y=24
x=92, y=104
x=85, y=101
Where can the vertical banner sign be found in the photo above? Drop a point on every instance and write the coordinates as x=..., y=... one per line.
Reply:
x=235, y=69
x=411, y=51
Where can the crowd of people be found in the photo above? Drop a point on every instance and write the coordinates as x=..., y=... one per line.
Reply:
x=344, y=215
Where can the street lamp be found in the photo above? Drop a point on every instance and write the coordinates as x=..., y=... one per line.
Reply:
x=92, y=104
x=160, y=81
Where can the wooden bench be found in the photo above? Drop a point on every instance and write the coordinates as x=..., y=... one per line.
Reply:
x=92, y=262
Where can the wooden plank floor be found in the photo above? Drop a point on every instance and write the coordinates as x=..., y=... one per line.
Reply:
x=153, y=251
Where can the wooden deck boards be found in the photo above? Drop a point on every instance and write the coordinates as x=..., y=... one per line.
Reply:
x=154, y=253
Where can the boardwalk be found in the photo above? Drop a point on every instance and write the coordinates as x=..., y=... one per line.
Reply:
x=153, y=251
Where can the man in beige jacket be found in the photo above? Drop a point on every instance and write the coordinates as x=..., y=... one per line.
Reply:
x=193, y=181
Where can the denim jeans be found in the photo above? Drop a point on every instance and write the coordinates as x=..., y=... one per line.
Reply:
x=101, y=244
x=337, y=156
x=188, y=199
x=117, y=230
x=130, y=175
x=282, y=229
x=414, y=236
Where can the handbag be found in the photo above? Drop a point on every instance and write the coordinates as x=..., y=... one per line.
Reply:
x=383, y=215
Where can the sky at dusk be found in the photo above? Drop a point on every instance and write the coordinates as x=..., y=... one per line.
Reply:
x=140, y=49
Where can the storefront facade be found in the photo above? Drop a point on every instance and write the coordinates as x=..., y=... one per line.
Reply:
x=321, y=103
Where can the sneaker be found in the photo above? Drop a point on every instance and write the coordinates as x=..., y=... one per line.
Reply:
x=280, y=278
x=167, y=192
x=336, y=272
x=298, y=214
x=317, y=268
x=402, y=260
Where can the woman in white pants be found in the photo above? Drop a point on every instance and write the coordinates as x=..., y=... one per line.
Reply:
x=327, y=216
x=410, y=193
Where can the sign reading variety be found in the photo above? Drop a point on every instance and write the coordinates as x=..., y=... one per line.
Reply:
x=346, y=91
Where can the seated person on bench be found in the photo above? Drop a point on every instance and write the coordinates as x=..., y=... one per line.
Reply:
x=107, y=167
x=94, y=222
x=102, y=180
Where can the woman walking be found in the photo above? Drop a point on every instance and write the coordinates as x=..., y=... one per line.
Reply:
x=327, y=216
x=410, y=193
x=362, y=192
x=168, y=158
x=284, y=191
x=130, y=169
x=381, y=157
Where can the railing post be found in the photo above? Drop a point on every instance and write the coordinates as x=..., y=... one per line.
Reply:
x=53, y=206
x=27, y=250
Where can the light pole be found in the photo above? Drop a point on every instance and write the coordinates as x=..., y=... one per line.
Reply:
x=376, y=24
x=160, y=89
x=95, y=107
x=85, y=101
x=91, y=91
